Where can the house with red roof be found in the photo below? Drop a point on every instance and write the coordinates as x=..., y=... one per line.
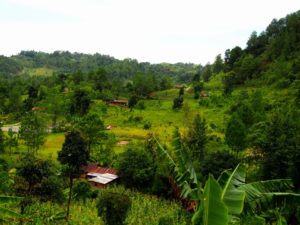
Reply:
x=120, y=102
x=98, y=176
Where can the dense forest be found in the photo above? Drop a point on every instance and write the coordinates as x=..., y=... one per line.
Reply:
x=212, y=144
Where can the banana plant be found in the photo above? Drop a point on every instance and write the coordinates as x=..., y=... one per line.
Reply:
x=223, y=201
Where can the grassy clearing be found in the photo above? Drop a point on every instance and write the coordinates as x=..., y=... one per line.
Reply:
x=43, y=71
x=52, y=145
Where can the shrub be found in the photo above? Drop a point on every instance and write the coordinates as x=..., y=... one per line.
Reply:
x=140, y=105
x=166, y=220
x=204, y=102
x=113, y=207
x=178, y=102
x=217, y=162
x=136, y=168
x=147, y=125
x=82, y=190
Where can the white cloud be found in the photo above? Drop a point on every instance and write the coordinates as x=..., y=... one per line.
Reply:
x=156, y=31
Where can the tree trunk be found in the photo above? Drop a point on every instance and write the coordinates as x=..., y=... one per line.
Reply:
x=70, y=195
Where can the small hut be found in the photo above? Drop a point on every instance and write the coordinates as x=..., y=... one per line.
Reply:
x=98, y=176
x=121, y=102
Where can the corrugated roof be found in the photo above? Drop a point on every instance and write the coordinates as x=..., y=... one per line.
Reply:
x=102, y=178
x=94, y=168
x=120, y=101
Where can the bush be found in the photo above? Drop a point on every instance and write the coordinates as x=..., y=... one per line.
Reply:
x=135, y=119
x=136, y=168
x=216, y=162
x=166, y=220
x=82, y=190
x=113, y=207
x=204, y=102
x=147, y=125
x=140, y=105
x=178, y=102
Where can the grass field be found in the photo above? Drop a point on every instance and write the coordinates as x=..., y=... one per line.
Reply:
x=128, y=125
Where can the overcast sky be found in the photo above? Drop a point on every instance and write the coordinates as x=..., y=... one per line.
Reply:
x=147, y=30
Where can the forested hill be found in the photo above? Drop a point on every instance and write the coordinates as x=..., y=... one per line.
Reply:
x=271, y=57
x=66, y=62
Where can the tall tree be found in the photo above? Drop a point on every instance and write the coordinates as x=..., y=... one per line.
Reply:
x=228, y=82
x=235, y=133
x=197, y=138
x=36, y=178
x=218, y=64
x=80, y=102
x=2, y=140
x=73, y=155
x=55, y=104
x=32, y=131
x=281, y=144
x=91, y=127
x=11, y=140
x=207, y=72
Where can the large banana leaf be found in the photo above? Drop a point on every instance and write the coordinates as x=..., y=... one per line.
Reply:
x=212, y=210
x=264, y=194
x=9, y=199
x=231, y=195
x=183, y=169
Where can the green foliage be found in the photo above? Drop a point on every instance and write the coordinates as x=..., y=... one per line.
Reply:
x=178, y=102
x=113, y=207
x=136, y=168
x=147, y=125
x=278, y=142
x=133, y=100
x=233, y=197
x=6, y=214
x=73, y=155
x=197, y=138
x=91, y=128
x=218, y=65
x=235, y=133
x=207, y=72
x=181, y=91
x=212, y=210
x=216, y=162
x=74, y=152
x=82, y=190
x=140, y=105
x=2, y=140
x=228, y=82
x=11, y=140
x=32, y=131
x=36, y=177
x=6, y=180
x=80, y=102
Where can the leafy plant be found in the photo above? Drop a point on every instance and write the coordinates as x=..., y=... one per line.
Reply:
x=7, y=214
x=225, y=199
x=113, y=207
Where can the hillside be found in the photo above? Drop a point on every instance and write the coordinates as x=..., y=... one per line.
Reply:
x=215, y=144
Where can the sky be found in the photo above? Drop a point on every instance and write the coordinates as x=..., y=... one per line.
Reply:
x=147, y=30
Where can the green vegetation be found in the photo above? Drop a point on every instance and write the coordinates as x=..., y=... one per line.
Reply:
x=214, y=144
